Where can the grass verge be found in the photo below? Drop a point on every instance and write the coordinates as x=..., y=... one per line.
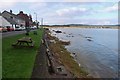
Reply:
x=19, y=62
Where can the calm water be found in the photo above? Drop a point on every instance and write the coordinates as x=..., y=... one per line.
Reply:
x=100, y=55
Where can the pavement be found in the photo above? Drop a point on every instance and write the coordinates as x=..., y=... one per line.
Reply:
x=40, y=69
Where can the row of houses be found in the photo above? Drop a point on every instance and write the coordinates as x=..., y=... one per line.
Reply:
x=9, y=19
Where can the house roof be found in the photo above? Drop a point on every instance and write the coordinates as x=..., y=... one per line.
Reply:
x=12, y=15
x=10, y=20
x=23, y=16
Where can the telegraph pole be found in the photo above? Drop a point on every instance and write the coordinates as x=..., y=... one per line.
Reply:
x=42, y=22
x=36, y=20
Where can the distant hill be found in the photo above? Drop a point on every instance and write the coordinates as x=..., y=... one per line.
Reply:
x=84, y=26
x=80, y=25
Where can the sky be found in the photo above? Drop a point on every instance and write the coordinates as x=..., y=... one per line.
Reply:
x=94, y=12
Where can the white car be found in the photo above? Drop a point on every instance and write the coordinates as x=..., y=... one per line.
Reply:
x=34, y=27
x=18, y=28
x=23, y=28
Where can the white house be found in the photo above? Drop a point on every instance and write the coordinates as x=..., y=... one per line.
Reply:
x=4, y=22
x=13, y=19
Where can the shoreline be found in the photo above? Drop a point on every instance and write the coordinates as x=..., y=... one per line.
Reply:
x=64, y=58
x=87, y=60
x=83, y=27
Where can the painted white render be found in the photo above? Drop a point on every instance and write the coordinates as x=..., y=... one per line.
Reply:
x=4, y=22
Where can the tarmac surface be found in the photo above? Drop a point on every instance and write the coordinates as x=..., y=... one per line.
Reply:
x=11, y=33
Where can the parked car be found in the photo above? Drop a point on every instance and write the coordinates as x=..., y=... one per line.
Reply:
x=18, y=28
x=10, y=29
x=3, y=29
x=34, y=27
x=23, y=28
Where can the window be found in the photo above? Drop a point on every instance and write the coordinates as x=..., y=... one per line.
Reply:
x=59, y=69
x=11, y=17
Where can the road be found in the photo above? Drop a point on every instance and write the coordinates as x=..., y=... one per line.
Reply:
x=11, y=33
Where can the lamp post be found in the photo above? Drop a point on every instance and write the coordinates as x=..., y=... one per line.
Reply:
x=42, y=22
x=36, y=20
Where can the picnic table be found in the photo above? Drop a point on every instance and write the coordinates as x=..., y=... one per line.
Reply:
x=25, y=41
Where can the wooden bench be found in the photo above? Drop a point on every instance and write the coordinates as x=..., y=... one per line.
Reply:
x=25, y=40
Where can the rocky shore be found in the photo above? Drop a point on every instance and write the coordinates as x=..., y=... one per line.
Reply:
x=54, y=61
x=62, y=63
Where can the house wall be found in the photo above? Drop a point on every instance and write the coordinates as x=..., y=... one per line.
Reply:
x=14, y=26
x=4, y=22
x=28, y=19
x=21, y=22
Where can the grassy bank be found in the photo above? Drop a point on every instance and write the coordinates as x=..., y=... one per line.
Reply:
x=64, y=57
x=19, y=62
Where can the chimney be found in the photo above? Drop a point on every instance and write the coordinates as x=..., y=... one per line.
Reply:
x=21, y=12
x=10, y=11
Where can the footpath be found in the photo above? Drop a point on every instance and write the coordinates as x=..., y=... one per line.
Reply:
x=42, y=66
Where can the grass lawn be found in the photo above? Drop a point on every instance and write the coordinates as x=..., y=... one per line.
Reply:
x=19, y=62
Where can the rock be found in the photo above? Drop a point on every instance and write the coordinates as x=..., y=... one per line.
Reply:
x=74, y=53
x=58, y=31
x=89, y=39
x=62, y=51
x=52, y=41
